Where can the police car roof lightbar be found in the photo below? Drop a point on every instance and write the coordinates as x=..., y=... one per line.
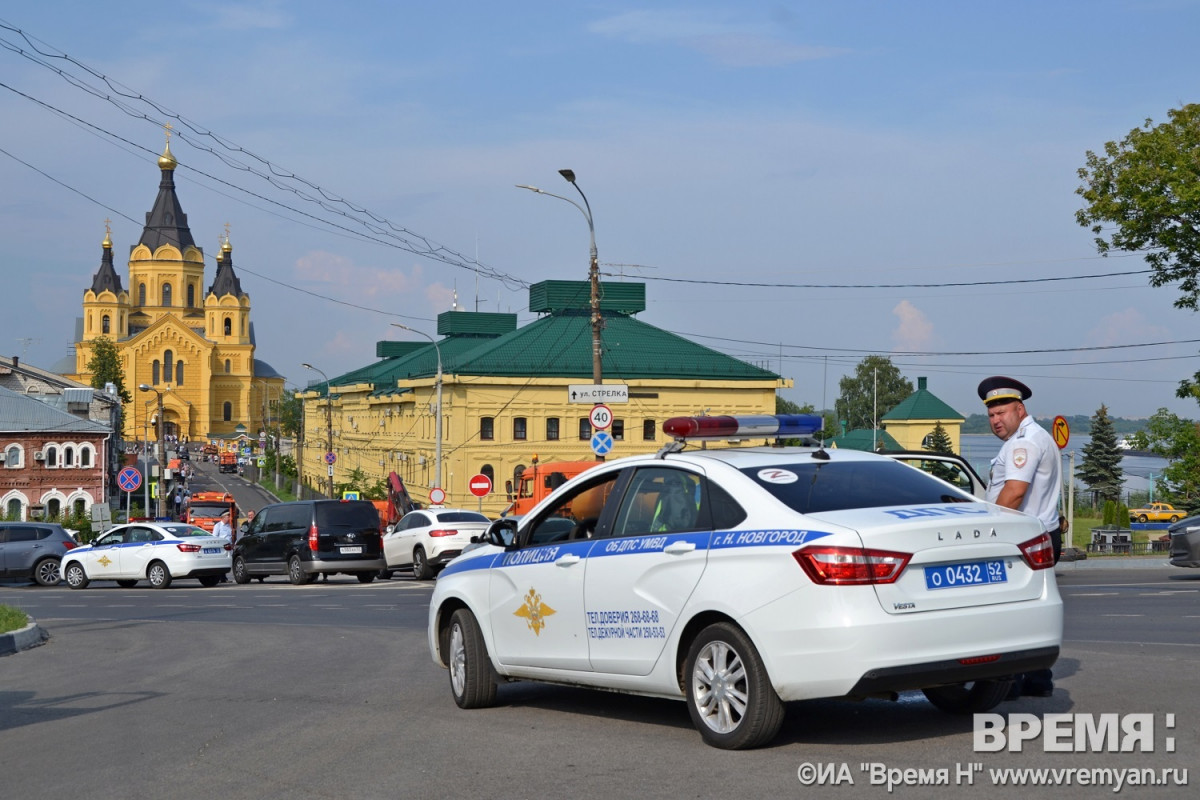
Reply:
x=782, y=426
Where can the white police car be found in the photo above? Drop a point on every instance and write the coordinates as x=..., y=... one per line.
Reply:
x=157, y=552
x=739, y=579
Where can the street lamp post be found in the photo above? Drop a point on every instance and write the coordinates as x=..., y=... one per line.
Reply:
x=437, y=424
x=328, y=420
x=146, y=458
x=593, y=267
x=158, y=448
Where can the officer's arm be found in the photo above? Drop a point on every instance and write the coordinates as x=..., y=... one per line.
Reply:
x=1013, y=494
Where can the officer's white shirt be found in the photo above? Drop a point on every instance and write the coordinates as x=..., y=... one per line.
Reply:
x=1030, y=455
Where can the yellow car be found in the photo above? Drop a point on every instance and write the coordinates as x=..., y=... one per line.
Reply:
x=1155, y=512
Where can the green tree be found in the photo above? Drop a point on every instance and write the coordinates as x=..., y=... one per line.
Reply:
x=105, y=367
x=1100, y=468
x=938, y=441
x=1177, y=440
x=290, y=413
x=1143, y=196
x=875, y=389
x=783, y=406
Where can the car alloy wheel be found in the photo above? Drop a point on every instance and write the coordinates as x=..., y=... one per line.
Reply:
x=46, y=572
x=76, y=577
x=730, y=697
x=158, y=575
x=471, y=679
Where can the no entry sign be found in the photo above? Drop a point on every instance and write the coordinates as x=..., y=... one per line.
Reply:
x=480, y=485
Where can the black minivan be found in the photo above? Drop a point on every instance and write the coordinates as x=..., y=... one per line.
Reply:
x=309, y=537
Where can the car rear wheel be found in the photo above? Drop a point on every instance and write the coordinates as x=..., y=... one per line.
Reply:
x=158, y=575
x=209, y=581
x=421, y=570
x=729, y=693
x=471, y=679
x=76, y=577
x=46, y=573
x=296, y=572
x=365, y=577
x=239, y=570
x=127, y=584
x=1174, y=518
x=384, y=575
x=969, y=698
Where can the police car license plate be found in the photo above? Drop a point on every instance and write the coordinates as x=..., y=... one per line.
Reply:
x=355, y=549
x=974, y=573
x=212, y=551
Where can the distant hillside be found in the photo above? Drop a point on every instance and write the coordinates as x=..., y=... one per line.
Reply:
x=977, y=423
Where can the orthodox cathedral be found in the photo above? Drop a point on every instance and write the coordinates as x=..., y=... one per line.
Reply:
x=195, y=347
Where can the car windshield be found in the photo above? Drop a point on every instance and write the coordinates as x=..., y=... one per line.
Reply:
x=184, y=531
x=208, y=509
x=814, y=487
x=460, y=516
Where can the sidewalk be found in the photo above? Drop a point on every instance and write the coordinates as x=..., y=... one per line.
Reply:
x=1093, y=561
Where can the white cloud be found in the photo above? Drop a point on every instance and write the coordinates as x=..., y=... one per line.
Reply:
x=733, y=44
x=915, y=331
x=1124, y=327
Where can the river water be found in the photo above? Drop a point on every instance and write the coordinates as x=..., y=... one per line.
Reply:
x=981, y=448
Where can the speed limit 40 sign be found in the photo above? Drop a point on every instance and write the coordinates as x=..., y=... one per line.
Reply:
x=601, y=417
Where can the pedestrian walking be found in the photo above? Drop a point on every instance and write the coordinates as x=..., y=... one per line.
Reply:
x=1026, y=475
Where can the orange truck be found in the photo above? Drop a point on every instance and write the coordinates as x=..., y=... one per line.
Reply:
x=228, y=462
x=206, y=508
x=539, y=480
x=397, y=504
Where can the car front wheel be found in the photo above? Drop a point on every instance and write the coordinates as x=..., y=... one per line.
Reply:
x=76, y=577
x=158, y=575
x=1142, y=518
x=209, y=581
x=471, y=679
x=365, y=577
x=45, y=572
x=729, y=694
x=969, y=698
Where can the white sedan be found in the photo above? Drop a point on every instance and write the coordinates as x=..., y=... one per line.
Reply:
x=740, y=579
x=158, y=552
x=428, y=538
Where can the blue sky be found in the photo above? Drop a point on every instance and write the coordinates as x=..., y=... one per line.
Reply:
x=851, y=143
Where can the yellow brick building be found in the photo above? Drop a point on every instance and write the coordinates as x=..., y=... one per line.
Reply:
x=194, y=346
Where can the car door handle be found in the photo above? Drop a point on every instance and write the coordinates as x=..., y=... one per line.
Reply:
x=679, y=548
x=568, y=561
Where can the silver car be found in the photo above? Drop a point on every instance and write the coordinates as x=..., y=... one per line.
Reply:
x=1185, y=542
x=33, y=550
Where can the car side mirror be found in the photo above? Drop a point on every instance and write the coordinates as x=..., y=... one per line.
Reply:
x=390, y=529
x=502, y=532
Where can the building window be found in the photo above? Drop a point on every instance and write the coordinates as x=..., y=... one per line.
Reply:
x=168, y=366
x=585, y=429
x=85, y=457
x=486, y=469
x=51, y=456
x=179, y=373
x=14, y=509
x=552, y=429
x=106, y=324
x=648, y=430
x=68, y=457
x=519, y=428
x=80, y=507
x=618, y=430
x=141, y=294
x=191, y=295
x=12, y=459
x=53, y=507
x=487, y=428
x=227, y=411
x=227, y=366
x=166, y=294
x=154, y=372
x=228, y=326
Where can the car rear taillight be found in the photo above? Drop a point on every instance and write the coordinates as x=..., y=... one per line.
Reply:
x=841, y=566
x=188, y=548
x=227, y=546
x=70, y=545
x=443, y=532
x=1039, y=552
x=312, y=538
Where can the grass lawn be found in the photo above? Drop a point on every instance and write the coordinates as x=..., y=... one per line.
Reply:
x=12, y=619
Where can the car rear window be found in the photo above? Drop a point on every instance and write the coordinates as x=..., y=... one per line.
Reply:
x=461, y=516
x=839, y=485
x=184, y=531
x=347, y=516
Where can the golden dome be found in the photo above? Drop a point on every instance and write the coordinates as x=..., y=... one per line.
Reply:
x=166, y=160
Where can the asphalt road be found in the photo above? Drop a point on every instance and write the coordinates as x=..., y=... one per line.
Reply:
x=327, y=690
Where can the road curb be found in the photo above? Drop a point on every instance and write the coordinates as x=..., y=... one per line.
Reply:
x=31, y=635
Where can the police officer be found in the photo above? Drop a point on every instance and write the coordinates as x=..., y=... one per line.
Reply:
x=1026, y=475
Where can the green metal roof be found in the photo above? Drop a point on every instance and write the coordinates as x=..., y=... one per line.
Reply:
x=922, y=404
x=861, y=439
